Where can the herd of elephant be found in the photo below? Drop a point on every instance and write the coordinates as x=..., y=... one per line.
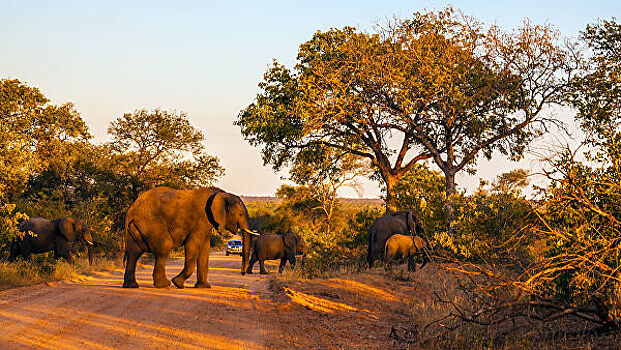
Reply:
x=163, y=219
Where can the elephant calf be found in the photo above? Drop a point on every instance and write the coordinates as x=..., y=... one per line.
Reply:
x=272, y=247
x=402, y=246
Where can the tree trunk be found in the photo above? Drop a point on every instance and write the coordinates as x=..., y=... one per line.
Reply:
x=391, y=199
x=451, y=190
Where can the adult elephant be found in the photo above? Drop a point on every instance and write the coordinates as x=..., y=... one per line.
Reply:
x=163, y=219
x=43, y=235
x=274, y=246
x=402, y=222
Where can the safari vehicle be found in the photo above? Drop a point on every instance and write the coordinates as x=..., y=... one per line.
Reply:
x=234, y=246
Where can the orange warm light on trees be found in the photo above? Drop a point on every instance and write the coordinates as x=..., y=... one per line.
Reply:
x=438, y=85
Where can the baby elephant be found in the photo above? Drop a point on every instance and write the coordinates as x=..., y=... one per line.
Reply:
x=272, y=247
x=402, y=246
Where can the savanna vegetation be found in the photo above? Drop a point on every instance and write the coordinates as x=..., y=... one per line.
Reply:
x=417, y=101
x=409, y=105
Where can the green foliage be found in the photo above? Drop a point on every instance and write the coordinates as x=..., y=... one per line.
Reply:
x=162, y=148
x=422, y=191
x=482, y=222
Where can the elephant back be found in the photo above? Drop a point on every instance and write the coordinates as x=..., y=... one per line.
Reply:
x=37, y=225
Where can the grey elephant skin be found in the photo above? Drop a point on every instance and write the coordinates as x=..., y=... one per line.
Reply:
x=406, y=247
x=51, y=235
x=274, y=246
x=163, y=219
x=402, y=223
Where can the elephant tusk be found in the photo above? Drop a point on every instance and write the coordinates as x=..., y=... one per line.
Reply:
x=89, y=242
x=254, y=233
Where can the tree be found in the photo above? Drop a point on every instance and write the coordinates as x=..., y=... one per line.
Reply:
x=34, y=134
x=326, y=171
x=435, y=86
x=577, y=273
x=36, y=138
x=161, y=148
x=328, y=100
x=511, y=181
x=472, y=91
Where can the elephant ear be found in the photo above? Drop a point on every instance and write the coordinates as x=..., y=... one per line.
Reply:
x=291, y=241
x=413, y=224
x=66, y=227
x=217, y=210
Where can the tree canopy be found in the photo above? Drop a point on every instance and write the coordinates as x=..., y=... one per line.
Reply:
x=162, y=148
x=438, y=85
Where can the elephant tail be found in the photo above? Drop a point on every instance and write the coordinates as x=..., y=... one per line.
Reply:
x=133, y=232
x=386, y=250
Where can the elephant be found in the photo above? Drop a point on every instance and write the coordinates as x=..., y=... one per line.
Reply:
x=163, y=218
x=274, y=246
x=47, y=235
x=402, y=222
x=402, y=246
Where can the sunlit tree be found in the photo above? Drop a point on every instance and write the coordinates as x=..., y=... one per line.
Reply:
x=438, y=85
x=327, y=171
x=161, y=148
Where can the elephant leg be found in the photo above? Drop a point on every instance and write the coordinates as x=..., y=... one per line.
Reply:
x=370, y=251
x=26, y=250
x=191, y=255
x=281, y=267
x=62, y=249
x=132, y=254
x=411, y=263
x=253, y=260
x=262, y=267
x=291, y=258
x=203, y=264
x=159, y=271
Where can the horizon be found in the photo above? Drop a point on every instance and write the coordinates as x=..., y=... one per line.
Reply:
x=207, y=59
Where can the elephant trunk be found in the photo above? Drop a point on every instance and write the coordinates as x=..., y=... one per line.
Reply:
x=89, y=246
x=89, y=249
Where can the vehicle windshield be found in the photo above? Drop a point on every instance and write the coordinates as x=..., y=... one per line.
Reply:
x=235, y=242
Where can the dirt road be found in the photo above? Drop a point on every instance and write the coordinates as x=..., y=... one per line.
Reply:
x=96, y=313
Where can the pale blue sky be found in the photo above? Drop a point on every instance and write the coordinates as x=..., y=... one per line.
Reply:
x=206, y=58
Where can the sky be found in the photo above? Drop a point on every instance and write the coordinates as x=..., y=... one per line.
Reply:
x=206, y=58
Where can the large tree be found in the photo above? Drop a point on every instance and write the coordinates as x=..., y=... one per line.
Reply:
x=435, y=86
x=35, y=135
x=327, y=102
x=161, y=148
x=472, y=91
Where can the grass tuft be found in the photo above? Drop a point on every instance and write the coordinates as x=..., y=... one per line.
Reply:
x=41, y=269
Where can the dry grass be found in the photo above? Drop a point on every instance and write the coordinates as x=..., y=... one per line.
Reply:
x=413, y=302
x=41, y=269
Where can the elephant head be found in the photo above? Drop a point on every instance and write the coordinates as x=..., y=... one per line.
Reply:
x=77, y=230
x=295, y=243
x=414, y=225
x=227, y=211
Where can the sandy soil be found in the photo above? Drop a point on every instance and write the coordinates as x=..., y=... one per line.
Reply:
x=95, y=313
x=238, y=312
